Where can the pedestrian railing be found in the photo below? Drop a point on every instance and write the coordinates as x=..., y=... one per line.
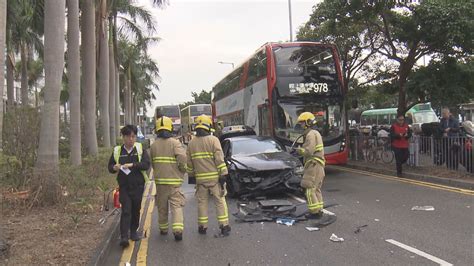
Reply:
x=454, y=153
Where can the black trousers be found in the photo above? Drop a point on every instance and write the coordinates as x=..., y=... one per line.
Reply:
x=401, y=157
x=451, y=153
x=131, y=201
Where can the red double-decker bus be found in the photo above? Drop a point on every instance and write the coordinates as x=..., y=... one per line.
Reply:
x=280, y=81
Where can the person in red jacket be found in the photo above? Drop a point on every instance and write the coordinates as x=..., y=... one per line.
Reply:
x=400, y=132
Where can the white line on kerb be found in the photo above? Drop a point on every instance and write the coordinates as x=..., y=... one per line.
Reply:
x=419, y=252
x=302, y=200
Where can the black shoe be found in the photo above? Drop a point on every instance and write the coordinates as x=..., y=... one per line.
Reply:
x=202, y=230
x=178, y=236
x=163, y=232
x=135, y=236
x=124, y=242
x=313, y=216
x=225, y=230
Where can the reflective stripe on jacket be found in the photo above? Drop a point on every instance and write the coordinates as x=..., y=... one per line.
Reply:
x=205, y=159
x=169, y=161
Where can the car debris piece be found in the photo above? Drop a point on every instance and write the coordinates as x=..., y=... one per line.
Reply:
x=274, y=203
x=358, y=229
x=335, y=238
x=422, y=208
x=311, y=229
x=288, y=222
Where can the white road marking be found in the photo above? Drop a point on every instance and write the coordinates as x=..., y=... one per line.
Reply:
x=419, y=252
x=303, y=200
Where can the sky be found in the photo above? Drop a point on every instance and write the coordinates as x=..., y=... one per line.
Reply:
x=196, y=35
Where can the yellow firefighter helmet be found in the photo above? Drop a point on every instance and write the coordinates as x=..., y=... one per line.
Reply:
x=164, y=123
x=308, y=119
x=204, y=122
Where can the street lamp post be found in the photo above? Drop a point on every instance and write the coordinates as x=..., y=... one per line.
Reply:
x=226, y=63
x=291, y=26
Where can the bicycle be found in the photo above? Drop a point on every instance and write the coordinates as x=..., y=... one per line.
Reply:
x=380, y=151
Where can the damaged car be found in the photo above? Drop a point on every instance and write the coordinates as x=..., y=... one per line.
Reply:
x=259, y=165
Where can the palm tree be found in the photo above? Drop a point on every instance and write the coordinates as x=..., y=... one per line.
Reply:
x=74, y=79
x=104, y=72
x=3, y=27
x=48, y=158
x=112, y=88
x=89, y=75
x=25, y=19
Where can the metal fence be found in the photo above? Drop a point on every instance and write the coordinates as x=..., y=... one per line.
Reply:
x=454, y=153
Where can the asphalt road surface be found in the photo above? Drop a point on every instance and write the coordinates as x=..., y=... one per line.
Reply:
x=394, y=235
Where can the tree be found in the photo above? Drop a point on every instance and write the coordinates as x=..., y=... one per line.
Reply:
x=74, y=79
x=448, y=82
x=46, y=168
x=204, y=97
x=25, y=22
x=89, y=75
x=104, y=73
x=399, y=32
x=3, y=26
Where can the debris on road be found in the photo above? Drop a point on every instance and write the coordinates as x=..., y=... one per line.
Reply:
x=335, y=238
x=288, y=222
x=311, y=229
x=358, y=229
x=377, y=220
x=104, y=219
x=422, y=208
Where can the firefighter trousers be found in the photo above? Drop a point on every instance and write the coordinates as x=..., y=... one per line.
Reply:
x=312, y=181
x=202, y=195
x=170, y=197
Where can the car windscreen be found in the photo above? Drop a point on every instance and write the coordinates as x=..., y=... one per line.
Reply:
x=253, y=146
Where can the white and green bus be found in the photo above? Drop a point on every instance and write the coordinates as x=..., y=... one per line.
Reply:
x=417, y=115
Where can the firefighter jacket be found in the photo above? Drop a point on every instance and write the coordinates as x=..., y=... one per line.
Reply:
x=313, y=148
x=169, y=161
x=205, y=159
x=141, y=162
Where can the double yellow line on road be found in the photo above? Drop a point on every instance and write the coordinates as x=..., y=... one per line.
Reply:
x=127, y=253
x=403, y=180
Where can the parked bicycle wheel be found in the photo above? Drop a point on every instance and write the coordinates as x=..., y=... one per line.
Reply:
x=387, y=156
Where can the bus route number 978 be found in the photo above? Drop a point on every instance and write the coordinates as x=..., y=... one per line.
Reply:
x=311, y=87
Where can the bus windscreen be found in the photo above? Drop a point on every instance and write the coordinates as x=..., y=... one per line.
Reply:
x=169, y=111
x=303, y=70
x=197, y=110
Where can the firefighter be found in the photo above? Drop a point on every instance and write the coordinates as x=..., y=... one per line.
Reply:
x=131, y=163
x=205, y=162
x=314, y=162
x=169, y=165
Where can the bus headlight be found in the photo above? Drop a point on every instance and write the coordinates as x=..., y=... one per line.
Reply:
x=343, y=145
x=299, y=170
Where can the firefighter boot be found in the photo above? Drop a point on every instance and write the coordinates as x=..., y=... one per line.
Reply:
x=225, y=230
x=202, y=230
x=178, y=236
x=314, y=216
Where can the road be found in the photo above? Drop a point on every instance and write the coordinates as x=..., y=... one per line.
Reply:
x=395, y=235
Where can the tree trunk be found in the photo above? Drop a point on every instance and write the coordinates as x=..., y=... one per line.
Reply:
x=126, y=100
x=46, y=168
x=74, y=74
x=113, y=136
x=117, y=102
x=10, y=81
x=3, y=26
x=89, y=76
x=104, y=75
x=24, y=74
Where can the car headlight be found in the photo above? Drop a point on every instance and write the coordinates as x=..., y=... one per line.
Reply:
x=299, y=170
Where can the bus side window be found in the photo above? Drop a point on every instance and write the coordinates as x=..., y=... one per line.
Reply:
x=257, y=68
